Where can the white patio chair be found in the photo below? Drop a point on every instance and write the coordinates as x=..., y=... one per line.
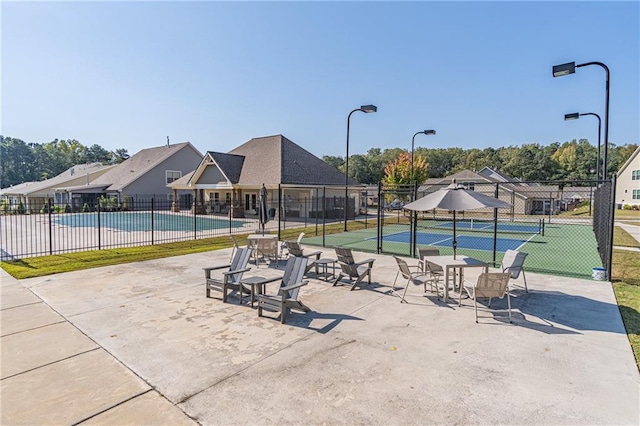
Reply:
x=489, y=284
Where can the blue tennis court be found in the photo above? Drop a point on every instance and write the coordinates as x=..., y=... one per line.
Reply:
x=464, y=241
x=531, y=228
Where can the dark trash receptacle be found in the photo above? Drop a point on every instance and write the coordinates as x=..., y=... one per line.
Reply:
x=272, y=213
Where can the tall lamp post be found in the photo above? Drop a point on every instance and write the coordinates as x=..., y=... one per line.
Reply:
x=570, y=68
x=366, y=109
x=424, y=132
x=575, y=116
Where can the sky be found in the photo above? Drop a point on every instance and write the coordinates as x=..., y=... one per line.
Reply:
x=129, y=74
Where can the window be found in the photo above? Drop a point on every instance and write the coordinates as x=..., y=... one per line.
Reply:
x=636, y=194
x=471, y=186
x=635, y=175
x=250, y=201
x=173, y=175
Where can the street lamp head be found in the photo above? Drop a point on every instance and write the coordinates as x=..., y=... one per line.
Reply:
x=572, y=116
x=564, y=69
x=429, y=132
x=368, y=108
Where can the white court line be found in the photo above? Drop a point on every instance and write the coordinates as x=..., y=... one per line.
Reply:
x=530, y=238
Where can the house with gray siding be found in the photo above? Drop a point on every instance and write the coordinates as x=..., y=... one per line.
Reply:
x=144, y=175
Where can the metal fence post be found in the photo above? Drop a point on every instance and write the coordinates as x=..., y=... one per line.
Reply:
x=279, y=209
x=51, y=228
x=152, y=222
x=99, y=236
x=612, y=211
x=366, y=207
x=324, y=210
x=317, y=212
x=495, y=225
x=380, y=218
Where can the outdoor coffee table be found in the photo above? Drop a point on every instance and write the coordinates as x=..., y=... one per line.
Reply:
x=324, y=263
x=256, y=281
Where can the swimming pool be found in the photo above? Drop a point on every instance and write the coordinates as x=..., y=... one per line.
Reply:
x=144, y=221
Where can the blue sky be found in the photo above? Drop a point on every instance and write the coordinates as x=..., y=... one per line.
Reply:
x=129, y=74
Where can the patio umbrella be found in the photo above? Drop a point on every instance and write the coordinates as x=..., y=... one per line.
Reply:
x=262, y=207
x=457, y=198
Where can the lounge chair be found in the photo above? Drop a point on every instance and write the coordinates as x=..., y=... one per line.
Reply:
x=489, y=284
x=287, y=297
x=513, y=262
x=230, y=279
x=418, y=277
x=296, y=250
x=352, y=269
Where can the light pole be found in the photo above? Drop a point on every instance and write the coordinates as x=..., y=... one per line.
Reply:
x=570, y=68
x=366, y=109
x=425, y=132
x=575, y=116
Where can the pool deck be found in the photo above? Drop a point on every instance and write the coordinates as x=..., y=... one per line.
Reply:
x=140, y=343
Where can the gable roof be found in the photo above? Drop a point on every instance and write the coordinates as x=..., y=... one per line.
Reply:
x=139, y=164
x=629, y=160
x=276, y=160
x=489, y=175
x=69, y=175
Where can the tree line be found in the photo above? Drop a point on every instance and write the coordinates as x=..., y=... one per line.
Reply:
x=28, y=162
x=571, y=160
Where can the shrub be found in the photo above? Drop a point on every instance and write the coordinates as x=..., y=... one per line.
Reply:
x=21, y=209
x=67, y=208
x=86, y=208
x=627, y=207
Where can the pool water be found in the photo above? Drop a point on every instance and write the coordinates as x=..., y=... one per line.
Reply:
x=142, y=221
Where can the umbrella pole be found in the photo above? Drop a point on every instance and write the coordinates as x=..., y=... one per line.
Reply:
x=455, y=243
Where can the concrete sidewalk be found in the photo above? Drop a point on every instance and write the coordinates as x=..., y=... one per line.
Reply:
x=140, y=344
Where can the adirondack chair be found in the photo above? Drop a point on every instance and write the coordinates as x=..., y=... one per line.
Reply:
x=296, y=250
x=230, y=279
x=283, y=246
x=355, y=271
x=287, y=297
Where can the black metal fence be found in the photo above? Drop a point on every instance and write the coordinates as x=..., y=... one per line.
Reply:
x=565, y=227
x=603, y=218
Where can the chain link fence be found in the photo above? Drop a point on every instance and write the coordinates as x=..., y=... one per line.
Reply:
x=565, y=227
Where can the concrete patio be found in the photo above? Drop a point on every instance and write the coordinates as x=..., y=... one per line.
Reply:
x=140, y=344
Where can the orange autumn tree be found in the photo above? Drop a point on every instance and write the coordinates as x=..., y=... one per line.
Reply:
x=398, y=171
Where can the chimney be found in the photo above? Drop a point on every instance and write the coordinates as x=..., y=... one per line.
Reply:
x=167, y=141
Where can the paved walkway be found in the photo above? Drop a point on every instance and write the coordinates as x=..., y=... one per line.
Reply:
x=140, y=344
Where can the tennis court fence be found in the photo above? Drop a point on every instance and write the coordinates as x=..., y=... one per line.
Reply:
x=565, y=226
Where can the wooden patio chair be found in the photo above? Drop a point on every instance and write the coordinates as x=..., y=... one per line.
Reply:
x=355, y=271
x=230, y=279
x=287, y=297
x=295, y=249
x=489, y=284
x=513, y=263
x=419, y=278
